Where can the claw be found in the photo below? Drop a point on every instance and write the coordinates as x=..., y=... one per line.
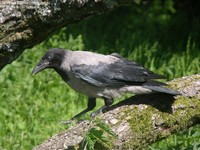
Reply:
x=66, y=122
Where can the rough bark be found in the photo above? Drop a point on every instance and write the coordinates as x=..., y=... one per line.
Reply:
x=140, y=120
x=24, y=23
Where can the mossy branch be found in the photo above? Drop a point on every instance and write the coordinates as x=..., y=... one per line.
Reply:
x=24, y=23
x=139, y=120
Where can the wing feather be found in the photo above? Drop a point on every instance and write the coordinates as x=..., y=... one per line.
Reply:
x=116, y=74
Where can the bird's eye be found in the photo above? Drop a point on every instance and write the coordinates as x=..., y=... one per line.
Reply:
x=49, y=57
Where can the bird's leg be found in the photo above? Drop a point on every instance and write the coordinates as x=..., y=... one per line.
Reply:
x=104, y=108
x=91, y=104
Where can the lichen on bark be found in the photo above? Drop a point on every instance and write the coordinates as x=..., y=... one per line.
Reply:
x=25, y=23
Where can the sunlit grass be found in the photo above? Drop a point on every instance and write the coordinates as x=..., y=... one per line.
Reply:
x=188, y=139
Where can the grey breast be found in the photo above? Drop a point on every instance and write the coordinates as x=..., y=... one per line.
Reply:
x=85, y=60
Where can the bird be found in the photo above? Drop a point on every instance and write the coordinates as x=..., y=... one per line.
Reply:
x=101, y=76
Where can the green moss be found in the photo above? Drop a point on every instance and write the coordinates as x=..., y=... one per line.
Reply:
x=141, y=125
x=151, y=124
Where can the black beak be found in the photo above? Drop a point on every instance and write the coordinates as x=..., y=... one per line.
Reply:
x=39, y=68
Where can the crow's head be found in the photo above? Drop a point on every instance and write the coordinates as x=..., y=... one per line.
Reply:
x=52, y=59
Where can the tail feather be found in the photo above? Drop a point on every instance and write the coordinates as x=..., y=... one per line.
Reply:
x=162, y=89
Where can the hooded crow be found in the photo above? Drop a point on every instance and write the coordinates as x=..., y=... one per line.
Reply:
x=101, y=76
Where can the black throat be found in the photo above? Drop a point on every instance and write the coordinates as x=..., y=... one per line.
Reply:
x=62, y=73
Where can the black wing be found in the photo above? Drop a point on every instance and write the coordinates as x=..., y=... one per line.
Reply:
x=117, y=74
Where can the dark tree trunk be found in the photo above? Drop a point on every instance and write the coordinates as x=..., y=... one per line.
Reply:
x=25, y=23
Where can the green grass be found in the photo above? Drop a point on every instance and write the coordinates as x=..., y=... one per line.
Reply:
x=31, y=107
x=188, y=139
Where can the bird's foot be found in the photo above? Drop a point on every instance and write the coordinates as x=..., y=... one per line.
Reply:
x=98, y=111
x=72, y=120
x=92, y=115
x=66, y=122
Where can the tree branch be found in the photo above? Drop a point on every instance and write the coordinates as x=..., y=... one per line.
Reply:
x=140, y=120
x=25, y=23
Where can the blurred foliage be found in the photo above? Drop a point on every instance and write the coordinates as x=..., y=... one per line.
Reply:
x=99, y=135
x=185, y=140
x=162, y=35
